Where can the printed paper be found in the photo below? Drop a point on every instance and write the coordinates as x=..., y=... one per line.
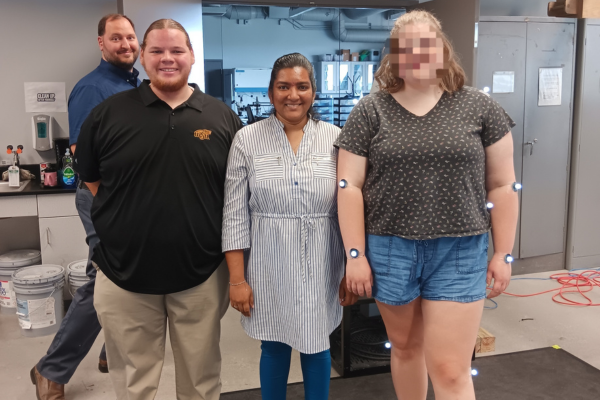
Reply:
x=45, y=97
x=503, y=82
x=550, y=87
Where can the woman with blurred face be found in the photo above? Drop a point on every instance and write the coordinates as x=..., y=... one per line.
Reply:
x=418, y=162
x=280, y=209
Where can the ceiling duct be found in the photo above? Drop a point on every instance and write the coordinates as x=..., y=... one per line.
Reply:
x=244, y=12
x=338, y=27
x=319, y=15
x=358, y=13
x=333, y=15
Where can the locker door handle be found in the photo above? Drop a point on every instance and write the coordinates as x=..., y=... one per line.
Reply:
x=530, y=144
x=48, y=236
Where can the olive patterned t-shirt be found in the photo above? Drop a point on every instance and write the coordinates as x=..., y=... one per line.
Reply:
x=426, y=174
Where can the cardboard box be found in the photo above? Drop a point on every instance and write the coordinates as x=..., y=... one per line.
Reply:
x=345, y=54
x=355, y=57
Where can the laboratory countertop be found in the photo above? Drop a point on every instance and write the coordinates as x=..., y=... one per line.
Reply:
x=34, y=188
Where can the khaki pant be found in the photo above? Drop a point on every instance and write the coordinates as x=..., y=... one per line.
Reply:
x=135, y=328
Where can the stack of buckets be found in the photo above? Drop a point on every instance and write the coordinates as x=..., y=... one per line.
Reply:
x=33, y=291
x=77, y=275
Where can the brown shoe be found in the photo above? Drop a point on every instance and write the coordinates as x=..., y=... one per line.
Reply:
x=45, y=389
x=103, y=366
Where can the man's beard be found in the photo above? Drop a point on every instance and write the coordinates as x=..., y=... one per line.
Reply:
x=116, y=61
x=169, y=86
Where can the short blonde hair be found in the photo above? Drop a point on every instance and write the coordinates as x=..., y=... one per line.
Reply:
x=452, y=77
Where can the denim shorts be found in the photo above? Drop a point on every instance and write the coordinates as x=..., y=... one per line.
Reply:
x=443, y=269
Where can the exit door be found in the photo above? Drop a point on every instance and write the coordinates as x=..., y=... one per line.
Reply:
x=528, y=69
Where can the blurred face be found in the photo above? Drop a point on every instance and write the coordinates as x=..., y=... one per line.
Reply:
x=167, y=59
x=119, y=45
x=417, y=53
x=292, y=94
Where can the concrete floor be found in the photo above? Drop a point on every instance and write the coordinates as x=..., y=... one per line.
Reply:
x=518, y=324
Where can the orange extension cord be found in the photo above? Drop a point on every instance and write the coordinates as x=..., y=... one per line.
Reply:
x=571, y=283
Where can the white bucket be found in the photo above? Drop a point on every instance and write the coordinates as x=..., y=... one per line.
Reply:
x=76, y=272
x=9, y=263
x=39, y=298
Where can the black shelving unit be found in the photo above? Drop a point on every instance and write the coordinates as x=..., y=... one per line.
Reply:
x=358, y=344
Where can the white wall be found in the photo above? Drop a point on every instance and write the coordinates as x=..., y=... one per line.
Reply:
x=187, y=12
x=43, y=41
x=260, y=42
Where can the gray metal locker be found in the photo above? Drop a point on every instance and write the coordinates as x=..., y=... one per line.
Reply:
x=527, y=64
x=583, y=241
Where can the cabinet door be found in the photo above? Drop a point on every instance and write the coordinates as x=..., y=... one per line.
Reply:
x=62, y=240
x=357, y=78
x=545, y=167
x=369, y=69
x=501, y=50
x=328, y=77
x=344, y=78
x=351, y=78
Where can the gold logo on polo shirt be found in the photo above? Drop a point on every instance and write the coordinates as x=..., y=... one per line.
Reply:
x=202, y=134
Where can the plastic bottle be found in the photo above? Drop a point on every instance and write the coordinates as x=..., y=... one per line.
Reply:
x=68, y=176
x=14, y=173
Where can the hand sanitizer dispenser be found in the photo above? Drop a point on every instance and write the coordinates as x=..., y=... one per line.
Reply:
x=42, y=132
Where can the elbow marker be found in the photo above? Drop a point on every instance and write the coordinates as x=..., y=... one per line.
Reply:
x=517, y=186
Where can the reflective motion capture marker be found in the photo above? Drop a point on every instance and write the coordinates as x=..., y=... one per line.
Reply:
x=489, y=205
x=517, y=186
x=354, y=253
x=343, y=184
x=474, y=372
x=388, y=345
x=508, y=259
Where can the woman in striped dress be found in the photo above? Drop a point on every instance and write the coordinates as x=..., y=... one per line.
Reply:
x=281, y=213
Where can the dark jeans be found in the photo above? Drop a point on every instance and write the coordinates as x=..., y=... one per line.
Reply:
x=275, y=369
x=80, y=326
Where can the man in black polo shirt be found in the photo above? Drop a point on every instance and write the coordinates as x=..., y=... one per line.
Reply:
x=155, y=158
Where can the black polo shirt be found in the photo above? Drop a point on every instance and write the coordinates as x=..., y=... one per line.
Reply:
x=159, y=207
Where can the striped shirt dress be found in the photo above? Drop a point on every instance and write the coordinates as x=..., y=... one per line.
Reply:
x=281, y=208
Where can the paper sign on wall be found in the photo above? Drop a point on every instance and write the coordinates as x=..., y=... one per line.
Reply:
x=503, y=82
x=550, y=87
x=45, y=97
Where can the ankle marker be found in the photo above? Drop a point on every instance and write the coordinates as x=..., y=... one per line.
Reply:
x=343, y=184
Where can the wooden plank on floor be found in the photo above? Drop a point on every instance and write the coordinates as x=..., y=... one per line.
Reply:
x=486, y=342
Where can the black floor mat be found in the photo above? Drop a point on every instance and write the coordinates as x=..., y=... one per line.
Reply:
x=543, y=374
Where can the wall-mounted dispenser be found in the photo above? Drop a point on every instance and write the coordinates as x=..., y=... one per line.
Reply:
x=42, y=132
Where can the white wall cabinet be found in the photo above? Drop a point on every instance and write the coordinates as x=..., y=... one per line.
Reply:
x=62, y=240
x=346, y=77
x=62, y=237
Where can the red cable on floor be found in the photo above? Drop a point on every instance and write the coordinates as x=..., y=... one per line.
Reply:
x=579, y=284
